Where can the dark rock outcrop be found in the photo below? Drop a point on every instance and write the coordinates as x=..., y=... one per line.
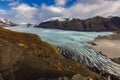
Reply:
x=1, y=77
x=97, y=23
x=117, y=60
x=9, y=55
x=10, y=58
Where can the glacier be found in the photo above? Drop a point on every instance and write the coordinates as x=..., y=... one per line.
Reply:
x=74, y=45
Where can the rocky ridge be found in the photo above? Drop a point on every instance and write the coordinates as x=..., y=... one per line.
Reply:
x=5, y=22
x=97, y=23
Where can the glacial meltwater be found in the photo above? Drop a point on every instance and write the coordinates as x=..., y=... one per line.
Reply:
x=75, y=44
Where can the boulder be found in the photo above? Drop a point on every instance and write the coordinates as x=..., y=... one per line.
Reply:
x=1, y=77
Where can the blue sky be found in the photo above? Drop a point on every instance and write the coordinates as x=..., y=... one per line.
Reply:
x=35, y=11
x=47, y=2
x=4, y=4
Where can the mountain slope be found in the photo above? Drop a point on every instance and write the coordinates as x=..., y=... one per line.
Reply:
x=97, y=23
x=5, y=22
x=40, y=59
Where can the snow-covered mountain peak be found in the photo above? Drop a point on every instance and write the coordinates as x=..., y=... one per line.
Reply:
x=5, y=22
x=58, y=19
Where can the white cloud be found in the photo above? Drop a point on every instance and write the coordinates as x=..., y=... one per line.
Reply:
x=52, y=8
x=81, y=10
x=26, y=13
x=60, y=2
x=22, y=13
x=2, y=11
x=55, y=9
x=105, y=8
x=91, y=1
x=14, y=3
x=25, y=10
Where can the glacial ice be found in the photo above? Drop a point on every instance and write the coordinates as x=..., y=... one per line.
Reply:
x=76, y=44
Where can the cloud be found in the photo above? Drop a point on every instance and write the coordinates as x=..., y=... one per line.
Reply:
x=106, y=8
x=2, y=11
x=35, y=14
x=60, y=2
x=91, y=1
x=88, y=9
x=25, y=10
x=14, y=3
x=22, y=13
x=53, y=9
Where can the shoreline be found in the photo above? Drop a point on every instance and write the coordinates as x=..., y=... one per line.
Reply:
x=108, y=46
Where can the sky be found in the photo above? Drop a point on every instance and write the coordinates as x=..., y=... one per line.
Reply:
x=36, y=11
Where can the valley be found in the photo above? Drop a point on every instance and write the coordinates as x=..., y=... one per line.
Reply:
x=74, y=45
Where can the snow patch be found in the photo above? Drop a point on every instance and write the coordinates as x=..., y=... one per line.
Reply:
x=5, y=21
x=58, y=19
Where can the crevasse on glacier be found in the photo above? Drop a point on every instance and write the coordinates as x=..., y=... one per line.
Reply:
x=74, y=45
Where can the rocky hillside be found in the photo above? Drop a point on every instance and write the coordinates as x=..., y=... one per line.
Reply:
x=5, y=22
x=97, y=23
x=25, y=56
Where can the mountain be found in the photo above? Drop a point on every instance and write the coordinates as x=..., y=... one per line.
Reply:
x=5, y=22
x=25, y=56
x=58, y=18
x=97, y=23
